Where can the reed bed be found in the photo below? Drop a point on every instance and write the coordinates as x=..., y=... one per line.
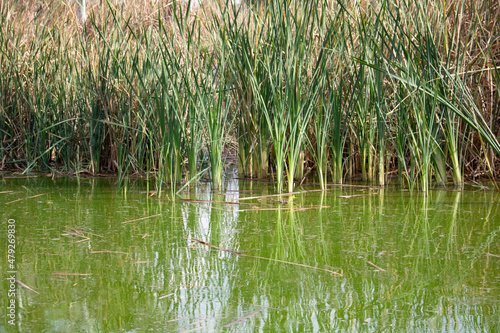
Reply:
x=354, y=89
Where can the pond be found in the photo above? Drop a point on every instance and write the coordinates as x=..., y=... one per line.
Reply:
x=90, y=257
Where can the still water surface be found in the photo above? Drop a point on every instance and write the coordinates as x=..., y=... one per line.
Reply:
x=99, y=259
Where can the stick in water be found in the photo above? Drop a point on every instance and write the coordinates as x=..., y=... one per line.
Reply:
x=33, y=196
x=142, y=218
x=270, y=259
x=279, y=195
x=380, y=269
x=27, y=287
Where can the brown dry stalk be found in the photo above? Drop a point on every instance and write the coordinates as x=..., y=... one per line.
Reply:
x=33, y=196
x=27, y=287
x=142, y=218
x=216, y=247
x=70, y=274
x=280, y=195
x=82, y=240
x=165, y=296
x=270, y=259
x=371, y=187
x=86, y=232
x=212, y=201
x=295, y=209
x=379, y=268
x=77, y=233
x=107, y=251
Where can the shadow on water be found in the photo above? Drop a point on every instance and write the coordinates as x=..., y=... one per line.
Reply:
x=97, y=260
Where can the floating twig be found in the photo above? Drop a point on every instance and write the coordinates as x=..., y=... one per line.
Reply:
x=352, y=196
x=242, y=318
x=295, y=264
x=72, y=233
x=86, y=232
x=213, y=201
x=27, y=287
x=107, y=251
x=379, y=268
x=230, y=192
x=82, y=240
x=142, y=218
x=77, y=233
x=492, y=255
x=350, y=185
x=165, y=296
x=20, y=177
x=33, y=196
x=280, y=195
x=80, y=233
x=218, y=248
x=270, y=259
x=446, y=189
x=218, y=208
x=297, y=209
x=71, y=274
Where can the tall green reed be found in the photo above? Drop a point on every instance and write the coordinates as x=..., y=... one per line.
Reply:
x=415, y=63
x=281, y=91
x=400, y=79
x=245, y=35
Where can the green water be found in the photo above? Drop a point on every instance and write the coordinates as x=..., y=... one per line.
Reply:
x=435, y=261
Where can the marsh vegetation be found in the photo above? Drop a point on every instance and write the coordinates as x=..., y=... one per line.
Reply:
x=378, y=90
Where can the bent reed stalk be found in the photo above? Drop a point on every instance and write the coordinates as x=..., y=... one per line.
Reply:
x=366, y=88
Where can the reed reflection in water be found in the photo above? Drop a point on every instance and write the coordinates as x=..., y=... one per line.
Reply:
x=103, y=260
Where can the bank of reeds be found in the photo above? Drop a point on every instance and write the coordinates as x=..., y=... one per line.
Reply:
x=362, y=89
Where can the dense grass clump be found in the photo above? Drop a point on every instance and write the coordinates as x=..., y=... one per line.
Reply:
x=346, y=88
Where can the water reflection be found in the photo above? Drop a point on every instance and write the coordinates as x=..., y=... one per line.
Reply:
x=103, y=261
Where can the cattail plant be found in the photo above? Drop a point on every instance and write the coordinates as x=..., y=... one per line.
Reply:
x=396, y=86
